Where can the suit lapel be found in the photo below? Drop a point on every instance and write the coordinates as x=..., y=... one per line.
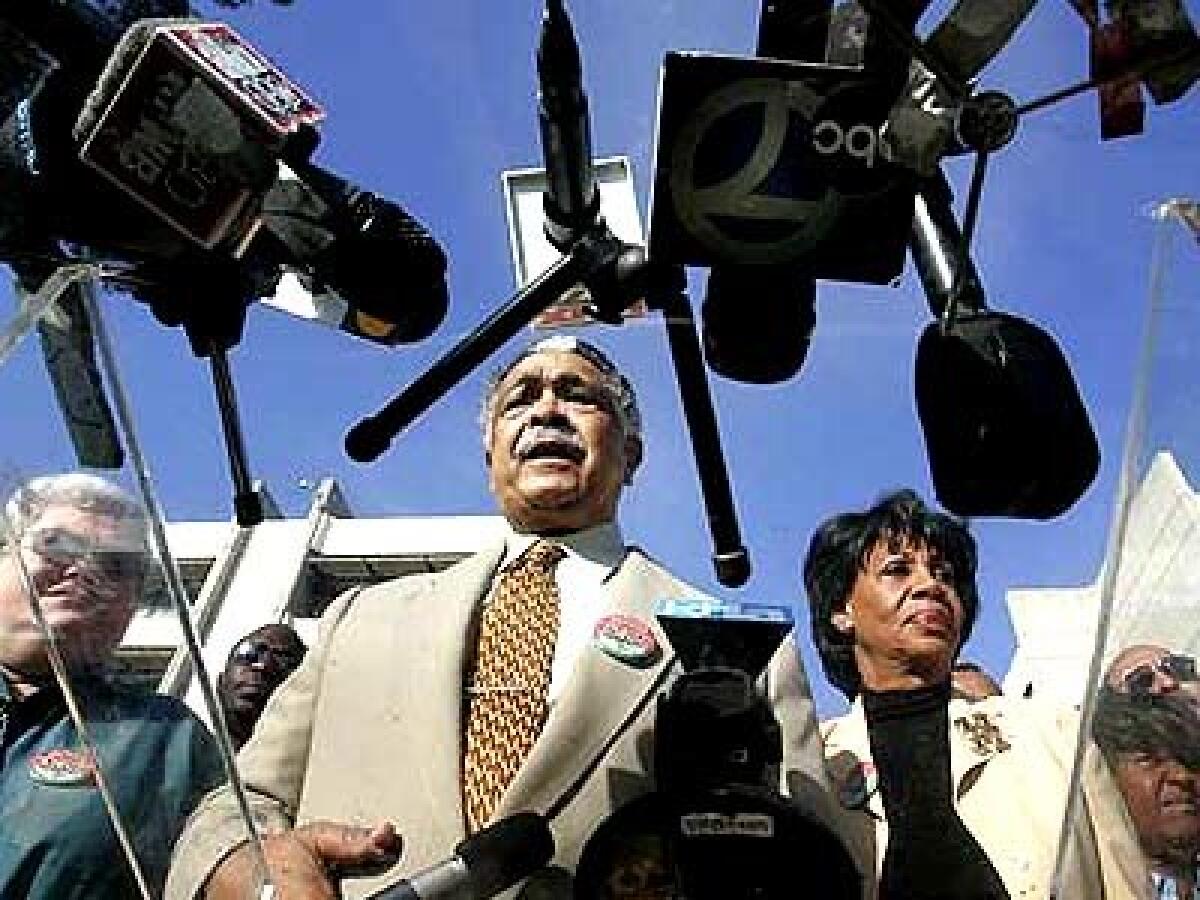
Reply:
x=437, y=642
x=975, y=737
x=849, y=764
x=597, y=701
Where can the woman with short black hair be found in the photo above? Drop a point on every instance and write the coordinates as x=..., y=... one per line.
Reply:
x=944, y=798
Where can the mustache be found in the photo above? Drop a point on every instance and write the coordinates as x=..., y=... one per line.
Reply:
x=535, y=436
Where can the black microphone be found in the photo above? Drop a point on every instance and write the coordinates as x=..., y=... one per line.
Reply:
x=757, y=321
x=571, y=200
x=351, y=234
x=190, y=121
x=483, y=865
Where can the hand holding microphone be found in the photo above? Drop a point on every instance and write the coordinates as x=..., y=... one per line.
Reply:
x=483, y=865
x=301, y=861
x=304, y=862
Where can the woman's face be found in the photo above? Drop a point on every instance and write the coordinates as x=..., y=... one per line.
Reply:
x=905, y=616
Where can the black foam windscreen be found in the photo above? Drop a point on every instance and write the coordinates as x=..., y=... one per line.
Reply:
x=1006, y=431
x=757, y=321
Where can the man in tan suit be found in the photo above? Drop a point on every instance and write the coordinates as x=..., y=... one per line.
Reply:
x=364, y=747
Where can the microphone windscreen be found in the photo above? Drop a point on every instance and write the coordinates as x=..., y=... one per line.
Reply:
x=409, y=301
x=756, y=322
x=507, y=851
x=1006, y=431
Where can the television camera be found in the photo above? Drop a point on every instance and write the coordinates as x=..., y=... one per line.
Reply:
x=716, y=825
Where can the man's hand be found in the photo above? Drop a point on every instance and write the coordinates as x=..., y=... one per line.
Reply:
x=305, y=861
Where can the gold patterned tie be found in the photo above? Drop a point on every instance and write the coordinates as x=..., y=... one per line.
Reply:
x=507, y=701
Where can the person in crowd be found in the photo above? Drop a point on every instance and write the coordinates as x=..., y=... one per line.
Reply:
x=77, y=543
x=944, y=798
x=523, y=678
x=1148, y=669
x=256, y=666
x=1151, y=745
x=970, y=681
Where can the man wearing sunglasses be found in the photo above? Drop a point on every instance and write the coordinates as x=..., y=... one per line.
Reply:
x=257, y=665
x=71, y=570
x=1147, y=670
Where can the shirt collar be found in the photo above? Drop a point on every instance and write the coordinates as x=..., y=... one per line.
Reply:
x=601, y=544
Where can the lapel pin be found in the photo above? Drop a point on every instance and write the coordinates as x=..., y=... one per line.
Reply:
x=626, y=639
x=857, y=785
x=62, y=767
x=984, y=735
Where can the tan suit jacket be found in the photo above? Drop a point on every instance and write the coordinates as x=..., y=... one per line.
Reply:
x=371, y=727
x=1010, y=762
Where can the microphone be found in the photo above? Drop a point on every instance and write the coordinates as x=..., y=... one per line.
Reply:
x=483, y=865
x=189, y=122
x=571, y=200
x=757, y=321
x=339, y=233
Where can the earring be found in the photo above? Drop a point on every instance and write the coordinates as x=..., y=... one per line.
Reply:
x=843, y=622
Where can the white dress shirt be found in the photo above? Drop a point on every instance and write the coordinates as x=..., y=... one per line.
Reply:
x=592, y=557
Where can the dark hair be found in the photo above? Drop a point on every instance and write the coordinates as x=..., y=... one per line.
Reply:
x=838, y=553
x=1163, y=726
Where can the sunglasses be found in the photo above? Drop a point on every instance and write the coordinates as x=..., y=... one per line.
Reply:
x=62, y=547
x=251, y=652
x=1141, y=679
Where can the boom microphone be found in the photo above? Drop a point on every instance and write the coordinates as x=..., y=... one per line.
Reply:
x=484, y=864
x=571, y=201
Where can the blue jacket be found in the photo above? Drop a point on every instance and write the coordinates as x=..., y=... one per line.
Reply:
x=56, y=840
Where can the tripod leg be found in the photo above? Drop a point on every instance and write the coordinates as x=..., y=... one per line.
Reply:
x=730, y=559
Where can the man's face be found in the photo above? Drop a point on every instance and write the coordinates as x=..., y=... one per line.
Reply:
x=1163, y=799
x=257, y=665
x=86, y=569
x=557, y=453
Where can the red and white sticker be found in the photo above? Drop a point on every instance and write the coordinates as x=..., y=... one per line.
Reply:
x=627, y=639
x=62, y=767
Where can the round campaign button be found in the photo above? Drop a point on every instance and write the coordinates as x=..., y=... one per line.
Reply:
x=62, y=767
x=627, y=639
x=858, y=785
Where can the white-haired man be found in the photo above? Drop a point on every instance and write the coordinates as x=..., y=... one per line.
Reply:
x=77, y=542
x=404, y=719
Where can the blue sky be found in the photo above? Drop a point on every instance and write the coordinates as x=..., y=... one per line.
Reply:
x=428, y=103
